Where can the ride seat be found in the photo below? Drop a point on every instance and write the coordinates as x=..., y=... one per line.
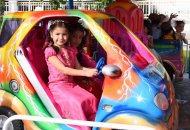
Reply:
x=34, y=52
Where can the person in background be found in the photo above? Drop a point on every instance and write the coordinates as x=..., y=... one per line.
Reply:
x=179, y=27
x=149, y=37
x=168, y=32
x=75, y=102
x=164, y=18
x=155, y=20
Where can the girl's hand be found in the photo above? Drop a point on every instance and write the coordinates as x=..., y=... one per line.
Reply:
x=90, y=72
x=172, y=15
x=182, y=35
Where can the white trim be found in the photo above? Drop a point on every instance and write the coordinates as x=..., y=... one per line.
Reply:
x=75, y=122
x=25, y=65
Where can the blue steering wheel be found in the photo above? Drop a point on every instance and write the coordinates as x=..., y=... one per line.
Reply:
x=100, y=64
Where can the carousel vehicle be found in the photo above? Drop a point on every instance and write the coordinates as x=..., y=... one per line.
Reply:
x=136, y=88
x=172, y=56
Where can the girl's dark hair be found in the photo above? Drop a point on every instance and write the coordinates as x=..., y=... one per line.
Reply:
x=178, y=22
x=79, y=27
x=166, y=28
x=54, y=24
x=148, y=24
x=155, y=19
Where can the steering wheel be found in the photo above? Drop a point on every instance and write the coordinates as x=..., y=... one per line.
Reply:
x=100, y=64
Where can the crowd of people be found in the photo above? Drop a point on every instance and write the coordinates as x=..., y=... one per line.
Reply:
x=162, y=27
x=159, y=26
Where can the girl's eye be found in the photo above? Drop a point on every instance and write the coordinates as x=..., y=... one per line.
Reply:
x=64, y=34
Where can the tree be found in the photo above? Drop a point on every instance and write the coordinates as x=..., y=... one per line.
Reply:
x=104, y=3
x=2, y=9
x=56, y=3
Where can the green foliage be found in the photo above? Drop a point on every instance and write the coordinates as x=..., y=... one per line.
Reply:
x=104, y=3
x=2, y=6
x=1, y=20
x=56, y=3
x=2, y=9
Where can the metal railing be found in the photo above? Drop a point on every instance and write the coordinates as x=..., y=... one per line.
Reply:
x=45, y=5
x=74, y=122
x=186, y=49
x=148, y=6
x=164, y=7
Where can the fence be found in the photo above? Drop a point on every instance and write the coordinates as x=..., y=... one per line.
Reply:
x=45, y=5
x=165, y=7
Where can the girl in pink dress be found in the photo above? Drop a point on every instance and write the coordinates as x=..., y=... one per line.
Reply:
x=75, y=102
x=77, y=39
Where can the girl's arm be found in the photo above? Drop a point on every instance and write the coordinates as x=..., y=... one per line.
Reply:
x=184, y=39
x=78, y=66
x=70, y=71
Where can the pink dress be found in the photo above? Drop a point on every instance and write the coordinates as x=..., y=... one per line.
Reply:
x=75, y=102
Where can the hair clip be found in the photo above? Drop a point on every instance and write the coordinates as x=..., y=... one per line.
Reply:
x=57, y=21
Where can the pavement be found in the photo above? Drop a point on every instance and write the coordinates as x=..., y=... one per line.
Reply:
x=182, y=92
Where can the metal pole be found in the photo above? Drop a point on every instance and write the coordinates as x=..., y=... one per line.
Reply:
x=75, y=122
x=13, y=5
x=70, y=4
x=189, y=60
x=29, y=4
x=149, y=7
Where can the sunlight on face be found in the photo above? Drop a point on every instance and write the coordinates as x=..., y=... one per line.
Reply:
x=60, y=36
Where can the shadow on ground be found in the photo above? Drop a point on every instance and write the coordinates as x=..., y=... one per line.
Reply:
x=182, y=92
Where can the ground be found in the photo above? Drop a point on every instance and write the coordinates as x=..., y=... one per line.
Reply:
x=182, y=90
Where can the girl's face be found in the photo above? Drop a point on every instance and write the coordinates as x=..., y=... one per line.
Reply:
x=76, y=38
x=179, y=28
x=60, y=36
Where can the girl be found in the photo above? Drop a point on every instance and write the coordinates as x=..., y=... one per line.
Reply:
x=179, y=29
x=75, y=102
x=78, y=40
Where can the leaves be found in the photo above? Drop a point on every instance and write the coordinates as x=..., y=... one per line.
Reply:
x=56, y=3
x=2, y=6
x=104, y=3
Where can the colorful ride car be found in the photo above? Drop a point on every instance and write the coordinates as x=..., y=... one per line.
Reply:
x=136, y=88
x=172, y=56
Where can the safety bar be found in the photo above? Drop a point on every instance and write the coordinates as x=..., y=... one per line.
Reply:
x=74, y=122
x=187, y=60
